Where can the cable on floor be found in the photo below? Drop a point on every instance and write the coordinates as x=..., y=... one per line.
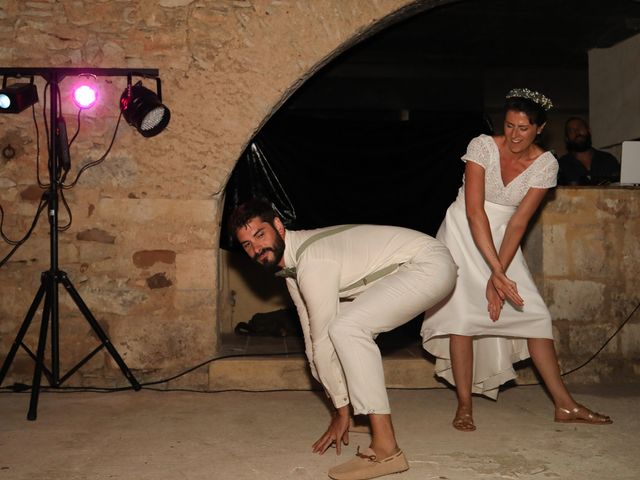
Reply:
x=20, y=387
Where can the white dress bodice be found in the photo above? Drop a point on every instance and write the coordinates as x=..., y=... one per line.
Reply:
x=542, y=173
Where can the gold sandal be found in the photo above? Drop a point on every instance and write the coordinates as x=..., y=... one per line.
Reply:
x=463, y=422
x=581, y=414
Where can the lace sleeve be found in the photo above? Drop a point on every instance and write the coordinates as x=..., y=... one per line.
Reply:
x=477, y=151
x=547, y=176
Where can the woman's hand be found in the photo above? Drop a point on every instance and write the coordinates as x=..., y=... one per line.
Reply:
x=495, y=303
x=506, y=288
x=337, y=433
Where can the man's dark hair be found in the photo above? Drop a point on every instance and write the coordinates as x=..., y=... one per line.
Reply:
x=535, y=113
x=573, y=119
x=245, y=212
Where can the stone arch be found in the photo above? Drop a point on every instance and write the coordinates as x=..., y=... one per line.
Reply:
x=226, y=68
x=315, y=37
x=261, y=287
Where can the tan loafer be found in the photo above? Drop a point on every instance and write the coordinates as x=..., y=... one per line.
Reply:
x=367, y=465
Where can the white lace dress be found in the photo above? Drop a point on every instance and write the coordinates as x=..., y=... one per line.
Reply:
x=497, y=345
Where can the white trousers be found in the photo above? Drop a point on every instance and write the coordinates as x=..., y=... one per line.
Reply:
x=388, y=303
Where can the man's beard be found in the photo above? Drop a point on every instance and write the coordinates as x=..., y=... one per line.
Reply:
x=278, y=251
x=580, y=144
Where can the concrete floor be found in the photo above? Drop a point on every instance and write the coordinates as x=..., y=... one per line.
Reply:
x=173, y=435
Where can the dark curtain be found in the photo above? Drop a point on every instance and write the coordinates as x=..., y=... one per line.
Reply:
x=329, y=171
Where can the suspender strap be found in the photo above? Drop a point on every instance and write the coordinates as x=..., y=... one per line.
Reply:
x=372, y=277
x=319, y=236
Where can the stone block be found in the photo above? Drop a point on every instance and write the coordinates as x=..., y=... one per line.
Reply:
x=95, y=253
x=554, y=248
x=587, y=339
x=168, y=342
x=159, y=280
x=194, y=300
x=585, y=376
x=623, y=301
x=32, y=193
x=532, y=249
x=146, y=258
x=612, y=208
x=594, y=250
x=110, y=295
x=630, y=341
x=141, y=211
x=96, y=235
x=196, y=270
x=630, y=251
x=577, y=300
x=261, y=373
x=292, y=372
x=567, y=203
x=14, y=304
x=198, y=379
x=408, y=372
x=559, y=337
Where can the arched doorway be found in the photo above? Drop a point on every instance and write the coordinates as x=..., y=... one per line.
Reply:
x=376, y=135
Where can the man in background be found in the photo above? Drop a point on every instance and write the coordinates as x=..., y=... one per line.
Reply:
x=583, y=164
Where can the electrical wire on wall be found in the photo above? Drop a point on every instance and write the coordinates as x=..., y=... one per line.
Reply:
x=16, y=244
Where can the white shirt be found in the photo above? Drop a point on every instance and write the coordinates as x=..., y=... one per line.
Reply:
x=330, y=264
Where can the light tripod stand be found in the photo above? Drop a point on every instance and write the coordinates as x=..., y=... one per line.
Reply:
x=52, y=278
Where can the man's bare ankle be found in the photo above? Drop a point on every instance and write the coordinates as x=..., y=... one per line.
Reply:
x=384, y=451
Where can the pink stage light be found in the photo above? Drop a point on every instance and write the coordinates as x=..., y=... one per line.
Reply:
x=84, y=96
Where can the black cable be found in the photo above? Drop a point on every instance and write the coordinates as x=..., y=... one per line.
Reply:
x=585, y=363
x=604, y=344
x=64, y=176
x=215, y=359
x=46, y=126
x=2, y=234
x=35, y=123
x=95, y=162
x=17, y=244
x=77, y=128
x=64, y=228
x=418, y=388
x=22, y=387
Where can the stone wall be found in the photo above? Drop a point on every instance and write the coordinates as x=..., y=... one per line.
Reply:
x=142, y=248
x=588, y=275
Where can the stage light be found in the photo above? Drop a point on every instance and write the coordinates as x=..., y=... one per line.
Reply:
x=144, y=110
x=85, y=96
x=17, y=97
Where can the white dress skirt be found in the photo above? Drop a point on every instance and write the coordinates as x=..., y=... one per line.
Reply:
x=496, y=345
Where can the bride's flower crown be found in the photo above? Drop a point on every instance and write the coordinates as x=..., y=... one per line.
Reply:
x=532, y=95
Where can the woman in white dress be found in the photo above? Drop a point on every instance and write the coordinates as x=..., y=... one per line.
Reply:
x=474, y=334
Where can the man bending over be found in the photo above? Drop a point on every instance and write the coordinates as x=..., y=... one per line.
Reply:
x=385, y=276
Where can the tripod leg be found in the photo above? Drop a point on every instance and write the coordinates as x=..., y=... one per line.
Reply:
x=64, y=279
x=37, y=373
x=23, y=330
